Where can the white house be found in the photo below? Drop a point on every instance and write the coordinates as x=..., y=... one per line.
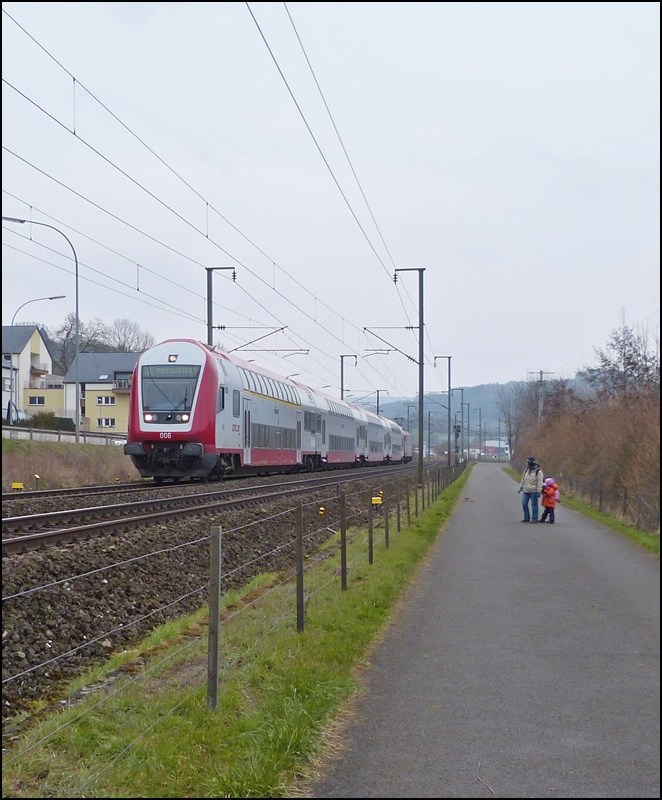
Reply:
x=27, y=365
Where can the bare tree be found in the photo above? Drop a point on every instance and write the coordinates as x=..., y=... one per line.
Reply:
x=627, y=364
x=126, y=336
x=63, y=341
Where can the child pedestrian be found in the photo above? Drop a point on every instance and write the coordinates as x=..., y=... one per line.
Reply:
x=550, y=497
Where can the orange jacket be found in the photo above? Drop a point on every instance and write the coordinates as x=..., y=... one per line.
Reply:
x=549, y=495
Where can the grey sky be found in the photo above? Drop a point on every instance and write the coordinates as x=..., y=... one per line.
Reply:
x=511, y=149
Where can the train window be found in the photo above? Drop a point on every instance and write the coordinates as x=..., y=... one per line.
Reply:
x=252, y=383
x=272, y=387
x=260, y=385
x=236, y=403
x=220, y=403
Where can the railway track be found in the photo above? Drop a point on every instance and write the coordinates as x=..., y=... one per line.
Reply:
x=23, y=533
x=35, y=494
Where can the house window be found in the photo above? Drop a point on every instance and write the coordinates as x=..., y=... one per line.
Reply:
x=6, y=384
x=107, y=422
x=105, y=400
x=37, y=400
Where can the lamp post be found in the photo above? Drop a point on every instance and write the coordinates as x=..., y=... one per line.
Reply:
x=77, y=346
x=210, y=315
x=342, y=373
x=450, y=394
x=11, y=355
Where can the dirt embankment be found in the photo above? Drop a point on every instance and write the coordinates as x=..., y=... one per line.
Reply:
x=60, y=465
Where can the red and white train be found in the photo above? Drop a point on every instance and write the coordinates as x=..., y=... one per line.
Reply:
x=198, y=412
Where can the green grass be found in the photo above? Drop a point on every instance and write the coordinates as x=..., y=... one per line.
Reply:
x=649, y=541
x=281, y=692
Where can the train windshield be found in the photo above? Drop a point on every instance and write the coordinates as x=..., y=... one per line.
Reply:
x=169, y=387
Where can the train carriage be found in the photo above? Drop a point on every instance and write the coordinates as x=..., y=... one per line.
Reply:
x=198, y=412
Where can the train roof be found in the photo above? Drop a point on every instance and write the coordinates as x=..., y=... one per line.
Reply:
x=317, y=399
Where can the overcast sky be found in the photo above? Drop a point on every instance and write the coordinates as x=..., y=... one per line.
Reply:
x=510, y=149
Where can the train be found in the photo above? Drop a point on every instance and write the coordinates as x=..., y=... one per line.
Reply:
x=199, y=413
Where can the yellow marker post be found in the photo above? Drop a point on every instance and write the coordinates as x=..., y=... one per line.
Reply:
x=322, y=511
x=17, y=487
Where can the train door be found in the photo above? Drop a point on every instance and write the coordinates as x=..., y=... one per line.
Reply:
x=299, y=423
x=247, y=431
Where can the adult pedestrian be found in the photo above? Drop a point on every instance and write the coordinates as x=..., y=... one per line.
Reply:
x=530, y=487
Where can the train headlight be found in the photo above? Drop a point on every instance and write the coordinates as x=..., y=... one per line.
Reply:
x=185, y=417
x=149, y=417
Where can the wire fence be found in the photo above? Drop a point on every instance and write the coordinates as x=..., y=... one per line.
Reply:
x=373, y=516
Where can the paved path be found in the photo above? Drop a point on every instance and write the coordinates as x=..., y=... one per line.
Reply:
x=532, y=650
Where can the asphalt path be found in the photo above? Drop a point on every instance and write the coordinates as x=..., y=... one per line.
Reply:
x=524, y=661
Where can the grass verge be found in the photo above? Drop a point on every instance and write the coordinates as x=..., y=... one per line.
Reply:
x=148, y=733
x=649, y=541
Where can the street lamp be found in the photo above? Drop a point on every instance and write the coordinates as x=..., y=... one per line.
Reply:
x=11, y=355
x=52, y=227
x=210, y=335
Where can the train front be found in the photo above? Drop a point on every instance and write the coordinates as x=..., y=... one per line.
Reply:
x=171, y=418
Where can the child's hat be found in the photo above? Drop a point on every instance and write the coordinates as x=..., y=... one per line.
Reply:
x=549, y=481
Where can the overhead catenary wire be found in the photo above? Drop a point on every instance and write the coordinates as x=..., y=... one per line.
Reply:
x=174, y=172
x=340, y=339
x=344, y=149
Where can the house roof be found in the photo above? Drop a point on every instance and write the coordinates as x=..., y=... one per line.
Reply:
x=15, y=337
x=100, y=367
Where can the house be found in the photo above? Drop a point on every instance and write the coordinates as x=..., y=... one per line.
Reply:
x=27, y=367
x=105, y=382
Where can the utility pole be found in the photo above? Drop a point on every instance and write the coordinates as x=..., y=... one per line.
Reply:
x=380, y=391
x=461, y=390
x=421, y=363
x=449, y=403
x=342, y=374
x=480, y=437
x=541, y=392
x=468, y=429
x=210, y=313
x=429, y=435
